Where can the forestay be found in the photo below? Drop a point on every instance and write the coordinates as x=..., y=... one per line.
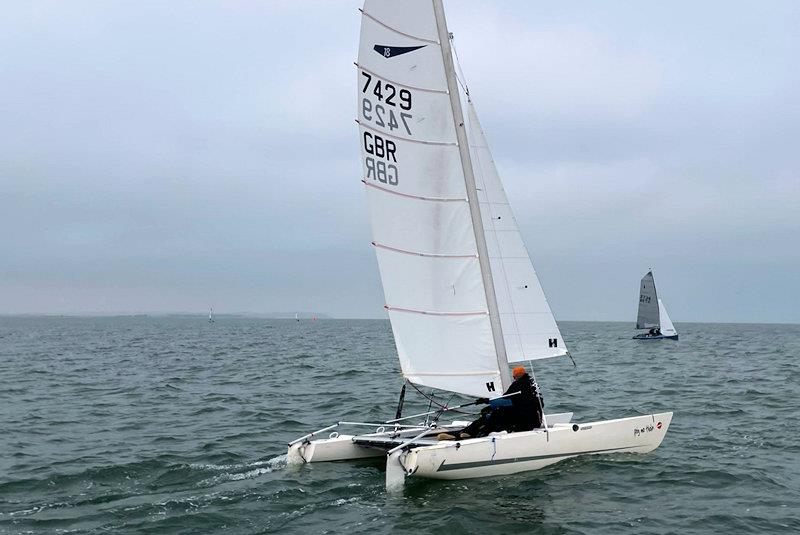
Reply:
x=648, y=303
x=667, y=328
x=421, y=222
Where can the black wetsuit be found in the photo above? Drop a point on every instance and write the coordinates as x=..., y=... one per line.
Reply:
x=526, y=410
x=521, y=412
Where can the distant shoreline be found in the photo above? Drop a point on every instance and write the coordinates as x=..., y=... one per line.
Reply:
x=306, y=316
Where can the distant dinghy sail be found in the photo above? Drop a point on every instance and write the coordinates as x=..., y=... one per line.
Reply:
x=652, y=313
x=648, y=303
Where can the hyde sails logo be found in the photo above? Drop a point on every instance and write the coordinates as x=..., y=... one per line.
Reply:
x=394, y=51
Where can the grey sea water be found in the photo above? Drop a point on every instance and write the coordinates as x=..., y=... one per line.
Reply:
x=175, y=425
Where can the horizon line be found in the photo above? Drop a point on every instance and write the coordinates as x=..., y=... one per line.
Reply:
x=321, y=316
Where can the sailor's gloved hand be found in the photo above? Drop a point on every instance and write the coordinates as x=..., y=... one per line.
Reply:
x=481, y=401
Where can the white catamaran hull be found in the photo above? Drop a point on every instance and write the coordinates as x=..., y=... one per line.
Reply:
x=500, y=454
x=351, y=447
x=531, y=450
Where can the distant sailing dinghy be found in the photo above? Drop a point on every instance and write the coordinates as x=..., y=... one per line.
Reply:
x=653, y=314
x=461, y=293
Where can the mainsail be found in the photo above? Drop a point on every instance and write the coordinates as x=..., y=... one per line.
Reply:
x=648, y=303
x=452, y=308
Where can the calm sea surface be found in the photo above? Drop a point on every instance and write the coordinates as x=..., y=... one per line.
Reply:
x=175, y=425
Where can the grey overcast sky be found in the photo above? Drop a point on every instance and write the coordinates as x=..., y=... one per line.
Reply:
x=167, y=156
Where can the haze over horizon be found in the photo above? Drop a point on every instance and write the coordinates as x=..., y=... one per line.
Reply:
x=166, y=157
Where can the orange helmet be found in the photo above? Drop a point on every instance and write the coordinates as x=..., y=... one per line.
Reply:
x=519, y=371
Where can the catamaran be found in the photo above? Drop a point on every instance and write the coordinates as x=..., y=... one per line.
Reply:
x=461, y=293
x=652, y=313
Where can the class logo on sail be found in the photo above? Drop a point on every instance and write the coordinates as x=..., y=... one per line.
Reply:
x=393, y=51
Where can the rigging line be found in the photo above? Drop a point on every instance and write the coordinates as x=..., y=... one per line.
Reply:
x=442, y=410
x=462, y=83
x=539, y=398
x=430, y=399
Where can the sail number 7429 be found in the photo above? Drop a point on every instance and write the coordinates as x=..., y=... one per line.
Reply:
x=386, y=92
x=380, y=102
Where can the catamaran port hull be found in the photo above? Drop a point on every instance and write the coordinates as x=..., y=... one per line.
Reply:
x=342, y=447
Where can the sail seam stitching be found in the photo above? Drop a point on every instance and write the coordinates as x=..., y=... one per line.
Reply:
x=433, y=313
x=395, y=30
x=429, y=255
x=418, y=197
x=449, y=374
x=387, y=134
x=442, y=91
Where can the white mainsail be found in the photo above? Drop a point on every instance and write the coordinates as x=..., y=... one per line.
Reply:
x=667, y=328
x=647, y=317
x=452, y=310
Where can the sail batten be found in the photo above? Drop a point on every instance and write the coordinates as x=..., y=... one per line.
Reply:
x=395, y=30
x=361, y=67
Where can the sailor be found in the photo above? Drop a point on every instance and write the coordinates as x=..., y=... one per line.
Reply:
x=526, y=407
x=519, y=412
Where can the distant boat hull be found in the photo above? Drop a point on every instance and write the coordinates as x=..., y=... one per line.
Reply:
x=655, y=337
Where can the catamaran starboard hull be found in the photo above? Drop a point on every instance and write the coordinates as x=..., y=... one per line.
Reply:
x=519, y=452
